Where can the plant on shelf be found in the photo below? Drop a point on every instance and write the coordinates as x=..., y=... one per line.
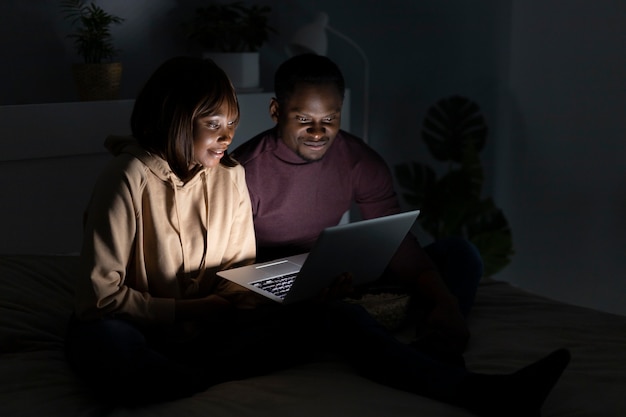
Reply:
x=455, y=133
x=230, y=27
x=98, y=77
x=232, y=35
x=92, y=39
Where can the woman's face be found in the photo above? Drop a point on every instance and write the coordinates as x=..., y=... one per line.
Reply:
x=212, y=134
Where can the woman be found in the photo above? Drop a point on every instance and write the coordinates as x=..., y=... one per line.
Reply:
x=168, y=211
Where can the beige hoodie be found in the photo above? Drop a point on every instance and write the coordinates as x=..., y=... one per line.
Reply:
x=150, y=239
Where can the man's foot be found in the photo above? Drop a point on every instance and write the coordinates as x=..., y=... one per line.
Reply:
x=520, y=394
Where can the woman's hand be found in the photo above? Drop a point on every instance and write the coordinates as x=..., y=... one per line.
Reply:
x=209, y=308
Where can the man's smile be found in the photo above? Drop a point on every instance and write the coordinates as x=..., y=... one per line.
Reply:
x=315, y=144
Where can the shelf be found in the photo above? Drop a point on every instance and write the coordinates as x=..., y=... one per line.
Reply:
x=32, y=131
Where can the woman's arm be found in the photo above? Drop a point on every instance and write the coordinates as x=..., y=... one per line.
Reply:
x=109, y=235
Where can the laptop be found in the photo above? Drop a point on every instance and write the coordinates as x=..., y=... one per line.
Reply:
x=362, y=248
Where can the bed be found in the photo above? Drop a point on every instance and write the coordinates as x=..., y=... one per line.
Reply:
x=38, y=264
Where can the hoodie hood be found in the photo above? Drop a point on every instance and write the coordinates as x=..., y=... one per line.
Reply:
x=118, y=145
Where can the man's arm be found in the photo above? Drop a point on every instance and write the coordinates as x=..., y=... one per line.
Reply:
x=445, y=328
x=411, y=267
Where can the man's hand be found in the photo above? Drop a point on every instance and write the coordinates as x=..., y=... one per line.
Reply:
x=341, y=287
x=445, y=335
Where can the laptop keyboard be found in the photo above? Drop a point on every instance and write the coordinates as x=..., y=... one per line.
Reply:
x=276, y=285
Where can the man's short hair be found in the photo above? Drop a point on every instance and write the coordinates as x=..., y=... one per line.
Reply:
x=306, y=69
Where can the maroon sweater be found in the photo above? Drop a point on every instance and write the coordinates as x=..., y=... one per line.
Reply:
x=294, y=200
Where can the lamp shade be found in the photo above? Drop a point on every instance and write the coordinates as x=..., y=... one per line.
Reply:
x=310, y=38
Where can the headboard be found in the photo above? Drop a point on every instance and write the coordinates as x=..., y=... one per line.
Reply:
x=50, y=156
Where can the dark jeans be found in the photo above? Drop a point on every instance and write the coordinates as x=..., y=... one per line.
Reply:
x=461, y=267
x=126, y=364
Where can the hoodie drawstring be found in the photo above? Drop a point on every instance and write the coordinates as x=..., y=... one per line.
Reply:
x=192, y=283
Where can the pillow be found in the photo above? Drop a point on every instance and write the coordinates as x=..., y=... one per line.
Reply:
x=36, y=300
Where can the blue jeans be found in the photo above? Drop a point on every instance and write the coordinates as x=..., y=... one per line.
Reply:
x=130, y=365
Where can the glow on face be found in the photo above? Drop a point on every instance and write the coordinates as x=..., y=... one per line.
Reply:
x=309, y=120
x=212, y=134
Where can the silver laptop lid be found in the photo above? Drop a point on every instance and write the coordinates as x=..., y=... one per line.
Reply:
x=362, y=248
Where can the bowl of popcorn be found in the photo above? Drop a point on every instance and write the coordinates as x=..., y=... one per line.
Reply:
x=389, y=308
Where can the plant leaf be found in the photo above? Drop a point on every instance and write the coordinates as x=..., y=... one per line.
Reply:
x=450, y=125
x=452, y=205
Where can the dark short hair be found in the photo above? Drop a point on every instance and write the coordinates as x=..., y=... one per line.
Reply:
x=306, y=69
x=181, y=90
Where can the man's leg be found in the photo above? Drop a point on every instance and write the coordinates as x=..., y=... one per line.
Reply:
x=377, y=355
x=461, y=267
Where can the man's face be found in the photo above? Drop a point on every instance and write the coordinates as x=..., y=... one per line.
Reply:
x=309, y=120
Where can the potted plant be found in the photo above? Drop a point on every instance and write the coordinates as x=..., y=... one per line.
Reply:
x=231, y=34
x=98, y=76
x=453, y=205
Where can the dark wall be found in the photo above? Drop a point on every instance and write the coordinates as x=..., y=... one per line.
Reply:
x=547, y=74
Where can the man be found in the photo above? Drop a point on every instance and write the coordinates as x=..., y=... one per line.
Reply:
x=305, y=173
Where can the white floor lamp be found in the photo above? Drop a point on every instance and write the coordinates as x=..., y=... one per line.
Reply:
x=312, y=38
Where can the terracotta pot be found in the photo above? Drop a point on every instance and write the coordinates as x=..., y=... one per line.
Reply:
x=98, y=81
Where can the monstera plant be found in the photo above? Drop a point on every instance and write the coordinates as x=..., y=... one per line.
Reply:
x=453, y=204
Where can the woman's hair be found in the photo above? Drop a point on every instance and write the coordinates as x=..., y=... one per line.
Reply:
x=306, y=69
x=180, y=91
